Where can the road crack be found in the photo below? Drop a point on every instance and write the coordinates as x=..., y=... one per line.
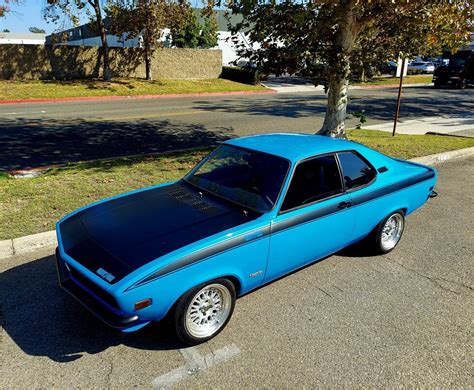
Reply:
x=109, y=373
x=324, y=291
x=434, y=280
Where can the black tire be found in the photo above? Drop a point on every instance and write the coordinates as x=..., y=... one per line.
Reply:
x=181, y=315
x=463, y=84
x=437, y=85
x=378, y=244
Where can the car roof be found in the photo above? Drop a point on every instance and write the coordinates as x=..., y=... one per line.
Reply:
x=293, y=146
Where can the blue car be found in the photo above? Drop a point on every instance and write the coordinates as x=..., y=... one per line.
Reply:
x=253, y=210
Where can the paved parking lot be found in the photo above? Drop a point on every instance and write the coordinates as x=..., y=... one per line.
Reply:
x=403, y=319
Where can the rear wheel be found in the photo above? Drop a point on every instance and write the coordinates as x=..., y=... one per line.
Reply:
x=389, y=232
x=204, y=311
x=463, y=84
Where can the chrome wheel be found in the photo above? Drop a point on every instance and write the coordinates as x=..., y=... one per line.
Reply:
x=208, y=310
x=392, y=231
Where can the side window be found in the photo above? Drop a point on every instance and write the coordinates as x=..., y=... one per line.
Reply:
x=356, y=171
x=313, y=180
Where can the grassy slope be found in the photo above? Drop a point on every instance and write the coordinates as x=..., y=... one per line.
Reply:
x=30, y=206
x=11, y=89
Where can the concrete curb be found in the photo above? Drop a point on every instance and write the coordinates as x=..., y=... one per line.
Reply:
x=434, y=159
x=133, y=97
x=33, y=242
x=25, y=244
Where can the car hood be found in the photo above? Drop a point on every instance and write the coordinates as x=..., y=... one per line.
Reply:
x=117, y=236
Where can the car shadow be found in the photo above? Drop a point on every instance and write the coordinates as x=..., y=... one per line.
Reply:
x=43, y=320
x=359, y=249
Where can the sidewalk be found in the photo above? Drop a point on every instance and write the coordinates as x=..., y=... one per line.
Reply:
x=295, y=85
x=458, y=125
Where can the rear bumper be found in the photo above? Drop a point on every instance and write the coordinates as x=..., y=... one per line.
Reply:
x=433, y=194
x=91, y=302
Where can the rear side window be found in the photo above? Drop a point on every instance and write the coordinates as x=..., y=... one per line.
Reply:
x=313, y=180
x=355, y=170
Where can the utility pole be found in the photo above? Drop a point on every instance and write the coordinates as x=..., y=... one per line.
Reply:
x=397, y=111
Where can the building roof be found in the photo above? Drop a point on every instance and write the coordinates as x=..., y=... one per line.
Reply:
x=292, y=146
x=25, y=35
x=85, y=30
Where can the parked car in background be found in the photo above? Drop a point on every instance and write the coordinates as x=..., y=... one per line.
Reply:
x=423, y=66
x=458, y=73
x=254, y=210
x=390, y=67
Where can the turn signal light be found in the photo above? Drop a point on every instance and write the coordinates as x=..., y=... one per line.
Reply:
x=142, y=304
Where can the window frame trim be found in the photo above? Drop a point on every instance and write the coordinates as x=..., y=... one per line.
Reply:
x=351, y=190
x=281, y=212
x=345, y=191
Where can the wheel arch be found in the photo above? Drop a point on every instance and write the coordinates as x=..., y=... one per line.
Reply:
x=234, y=279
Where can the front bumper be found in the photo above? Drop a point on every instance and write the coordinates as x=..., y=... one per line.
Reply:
x=91, y=301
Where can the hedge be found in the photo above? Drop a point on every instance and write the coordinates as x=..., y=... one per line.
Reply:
x=241, y=75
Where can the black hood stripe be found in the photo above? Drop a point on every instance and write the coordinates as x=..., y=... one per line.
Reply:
x=123, y=234
x=205, y=254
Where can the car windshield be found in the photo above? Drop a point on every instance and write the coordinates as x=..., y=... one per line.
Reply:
x=250, y=178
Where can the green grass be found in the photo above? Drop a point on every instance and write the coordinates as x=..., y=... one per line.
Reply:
x=414, y=79
x=30, y=89
x=29, y=206
x=408, y=146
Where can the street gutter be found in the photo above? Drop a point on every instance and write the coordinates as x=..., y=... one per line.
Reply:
x=134, y=97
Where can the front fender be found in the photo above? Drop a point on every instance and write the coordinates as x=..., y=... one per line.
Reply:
x=245, y=264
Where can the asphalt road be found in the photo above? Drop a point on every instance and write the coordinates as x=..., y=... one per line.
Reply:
x=403, y=319
x=34, y=135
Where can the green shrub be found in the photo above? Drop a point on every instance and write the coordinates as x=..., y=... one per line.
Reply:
x=241, y=75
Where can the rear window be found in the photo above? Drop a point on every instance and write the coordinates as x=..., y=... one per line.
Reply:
x=355, y=170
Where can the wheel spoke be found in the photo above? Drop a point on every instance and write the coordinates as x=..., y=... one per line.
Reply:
x=208, y=310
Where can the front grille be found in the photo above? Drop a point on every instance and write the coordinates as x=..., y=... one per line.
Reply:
x=102, y=294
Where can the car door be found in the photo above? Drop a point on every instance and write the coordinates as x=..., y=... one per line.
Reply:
x=315, y=218
x=359, y=178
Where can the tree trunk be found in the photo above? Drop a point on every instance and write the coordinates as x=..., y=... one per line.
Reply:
x=103, y=38
x=334, y=121
x=338, y=73
x=147, y=47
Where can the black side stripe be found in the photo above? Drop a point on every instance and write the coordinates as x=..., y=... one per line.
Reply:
x=306, y=217
x=393, y=187
x=278, y=227
x=205, y=253
x=356, y=200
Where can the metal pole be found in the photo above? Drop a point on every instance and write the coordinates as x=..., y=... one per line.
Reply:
x=397, y=112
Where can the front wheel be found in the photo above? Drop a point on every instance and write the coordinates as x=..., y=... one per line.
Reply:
x=204, y=311
x=389, y=232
